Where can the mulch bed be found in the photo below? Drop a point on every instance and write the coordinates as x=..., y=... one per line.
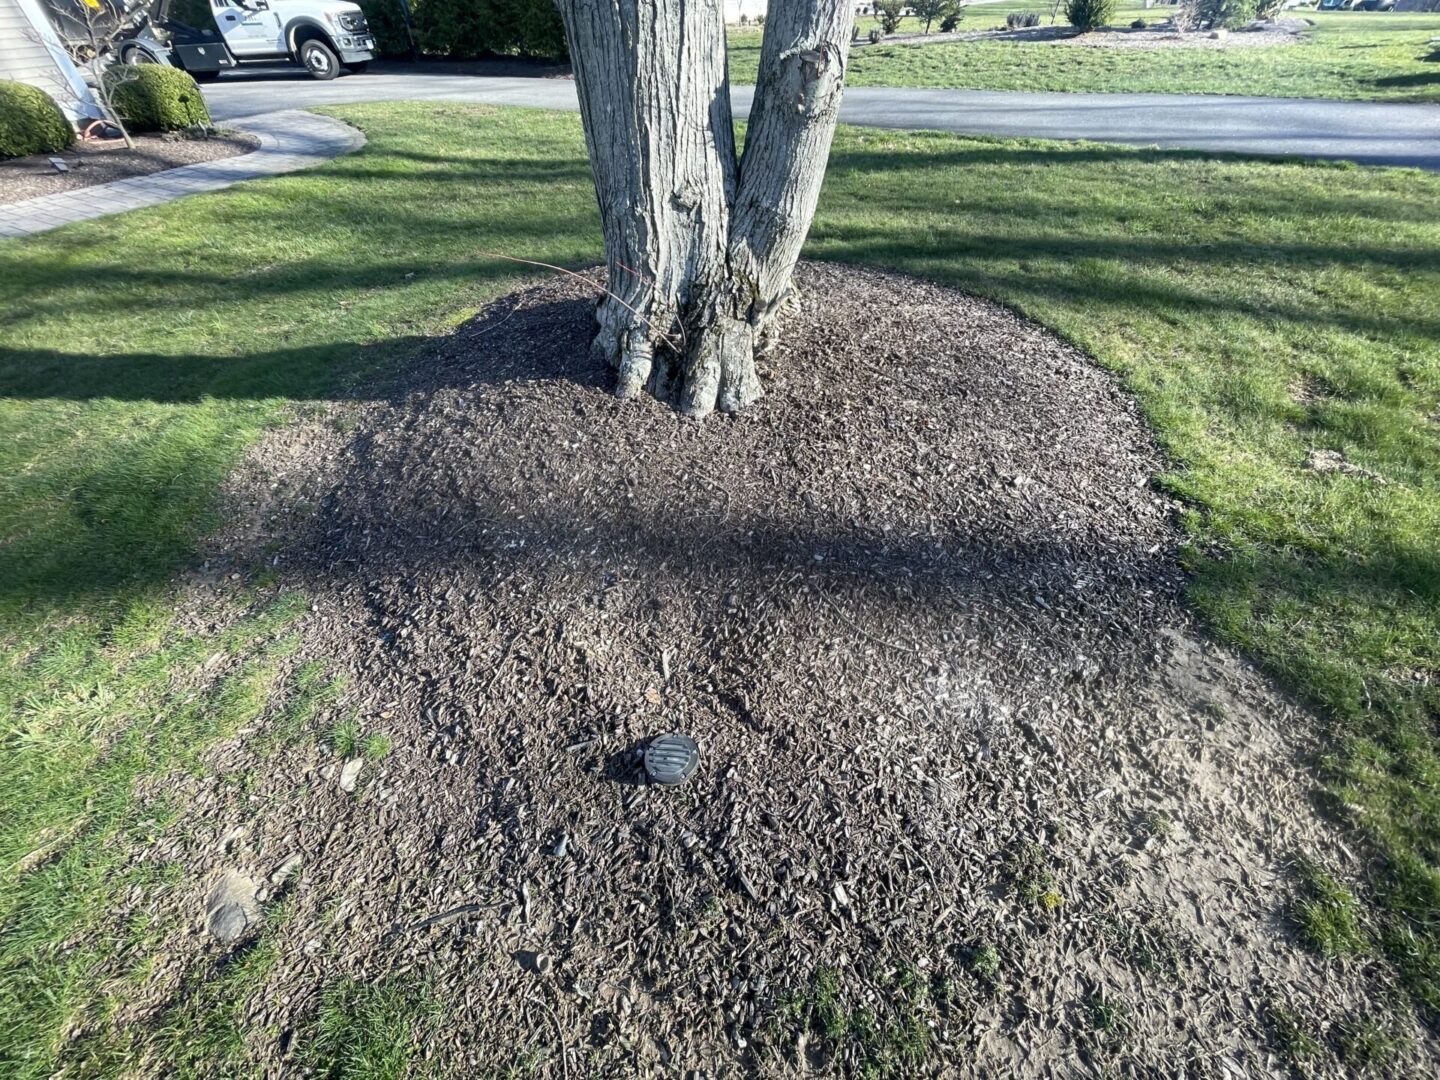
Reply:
x=920, y=608
x=97, y=162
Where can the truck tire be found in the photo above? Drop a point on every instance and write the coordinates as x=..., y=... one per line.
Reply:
x=136, y=55
x=319, y=59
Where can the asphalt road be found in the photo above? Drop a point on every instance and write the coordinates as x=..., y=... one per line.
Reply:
x=1369, y=132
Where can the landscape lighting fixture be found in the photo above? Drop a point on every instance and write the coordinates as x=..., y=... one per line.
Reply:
x=671, y=759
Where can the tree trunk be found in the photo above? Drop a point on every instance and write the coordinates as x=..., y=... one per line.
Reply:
x=701, y=247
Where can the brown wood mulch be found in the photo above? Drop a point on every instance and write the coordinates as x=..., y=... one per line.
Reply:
x=95, y=162
x=920, y=607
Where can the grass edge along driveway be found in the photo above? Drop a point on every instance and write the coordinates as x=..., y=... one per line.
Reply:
x=1258, y=309
x=1363, y=56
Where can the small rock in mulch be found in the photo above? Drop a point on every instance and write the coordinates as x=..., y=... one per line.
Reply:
x=350, y=773
x=536, y=962
x=231, y=908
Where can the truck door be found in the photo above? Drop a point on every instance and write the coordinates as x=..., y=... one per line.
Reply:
x=249, y=27
x=188, y=28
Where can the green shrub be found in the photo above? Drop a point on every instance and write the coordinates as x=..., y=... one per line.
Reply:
x=890, y=12
x=153, y=97
x=30, y=123
x=1022, y=20
x=1233, y=13
x=933, y=11
x=464, y=29
x=387, y=26
x=1087, y=15
x=537, y=29
x=458, y=29
x=1214, y=14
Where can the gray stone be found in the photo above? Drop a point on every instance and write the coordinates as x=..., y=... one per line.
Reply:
x=231, y=907
x=350, y=773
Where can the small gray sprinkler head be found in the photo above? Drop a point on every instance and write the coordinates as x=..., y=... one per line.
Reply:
x=671, y=759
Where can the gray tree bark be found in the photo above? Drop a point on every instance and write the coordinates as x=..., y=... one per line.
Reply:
x=700, y=245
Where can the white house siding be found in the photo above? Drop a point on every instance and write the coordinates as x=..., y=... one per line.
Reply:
x=749, y=8
x=31, y=53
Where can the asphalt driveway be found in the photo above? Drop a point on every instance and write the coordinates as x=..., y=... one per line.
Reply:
x=1367, y=132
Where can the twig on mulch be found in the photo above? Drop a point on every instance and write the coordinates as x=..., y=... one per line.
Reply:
x=560, y=1038
x=862, y=631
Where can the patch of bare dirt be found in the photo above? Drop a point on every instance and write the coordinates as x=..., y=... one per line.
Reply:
x=91, y=163
x=969, y=772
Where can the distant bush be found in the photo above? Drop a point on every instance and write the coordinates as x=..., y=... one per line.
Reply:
x=1138, y=24
x=928, y=12
x=1087, y=15
x=1268, y=9
x=1214, y=14
x=951, y=22
x=154, y=97
x=465, y=29
x=890, y=12
x=1018, y=20
x=387, y=26
x=876, y=36
x=538, y=30
x=30, y=122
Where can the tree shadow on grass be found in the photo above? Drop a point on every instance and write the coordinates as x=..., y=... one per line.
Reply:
x=130, y=516
x=298, y=373
x=310, y=371
x=1416, y=80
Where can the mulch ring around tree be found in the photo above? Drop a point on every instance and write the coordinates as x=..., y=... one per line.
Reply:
x=95, y=162
x=974, y=795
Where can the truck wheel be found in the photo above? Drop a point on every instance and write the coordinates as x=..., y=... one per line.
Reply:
x=137, y=55
x=319, y=59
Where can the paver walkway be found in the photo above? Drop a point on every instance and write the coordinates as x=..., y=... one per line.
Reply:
x=289, y=140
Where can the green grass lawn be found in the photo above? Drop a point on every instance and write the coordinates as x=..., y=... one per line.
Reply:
x=1258, y=310
x=1380, y=56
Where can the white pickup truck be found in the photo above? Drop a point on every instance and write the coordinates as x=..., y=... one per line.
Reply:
x=206, y=37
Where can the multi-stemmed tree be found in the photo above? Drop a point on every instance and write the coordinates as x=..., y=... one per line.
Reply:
x=701, y=242
x=94, y=30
